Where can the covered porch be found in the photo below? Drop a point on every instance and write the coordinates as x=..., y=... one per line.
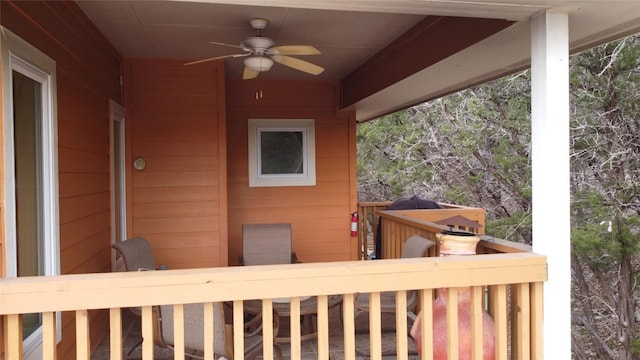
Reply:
x=505, y=279
x=138, y=144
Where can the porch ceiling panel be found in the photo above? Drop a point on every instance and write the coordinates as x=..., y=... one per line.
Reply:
x=351, y=33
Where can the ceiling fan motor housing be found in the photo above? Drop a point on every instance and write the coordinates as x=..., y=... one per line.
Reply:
x=258, y=44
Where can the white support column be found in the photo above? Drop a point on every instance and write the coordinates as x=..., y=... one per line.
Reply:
x=550, y=173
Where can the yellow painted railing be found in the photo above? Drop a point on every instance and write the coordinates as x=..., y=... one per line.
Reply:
x=514, y=280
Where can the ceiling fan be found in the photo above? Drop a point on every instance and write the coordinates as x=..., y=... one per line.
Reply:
x=260, y=54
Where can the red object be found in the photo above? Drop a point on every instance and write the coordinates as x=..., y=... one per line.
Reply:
x=354, y=224
x=440, y=342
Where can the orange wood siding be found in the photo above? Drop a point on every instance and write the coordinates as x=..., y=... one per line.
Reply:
x=319, y=215
x=88, y=75
x=175, y=122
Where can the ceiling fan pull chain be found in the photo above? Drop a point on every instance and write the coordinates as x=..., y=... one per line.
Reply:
x=258, y=90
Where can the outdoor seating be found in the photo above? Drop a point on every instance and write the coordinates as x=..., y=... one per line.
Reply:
x=264, y=244
x=415, y=246
x=138, y=256
x=223, y=331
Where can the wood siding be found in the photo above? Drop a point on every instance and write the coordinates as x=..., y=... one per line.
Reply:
x=175, y=122
x=319, y=215
x=88, y=75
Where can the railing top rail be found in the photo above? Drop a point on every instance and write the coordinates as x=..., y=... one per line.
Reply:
x=99, y=291
x=387, y=203
x=374, y=203
x=497, y=244
x=397, y=215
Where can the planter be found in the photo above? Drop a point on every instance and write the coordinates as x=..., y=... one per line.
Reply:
x=457, y=243
x=453, y=243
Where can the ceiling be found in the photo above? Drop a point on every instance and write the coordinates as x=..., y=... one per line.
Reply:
x=349, y=33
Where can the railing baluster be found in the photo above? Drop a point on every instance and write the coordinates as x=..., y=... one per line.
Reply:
x=500, y=319
x=537, y=301
x=83, y=346
x=147, y=333
x=178, y=331
x=14, y=336
x=452, y=324
x=477, y=307
x=426, y=332
x=375, y=327
x=49, y=335
x=323, y=327
x=296, y=346
x=238, y=329
x=209, y=330
x=267, y=329
x=115, y=333
x=402, y=344
x=349, y=330
x=521, y=329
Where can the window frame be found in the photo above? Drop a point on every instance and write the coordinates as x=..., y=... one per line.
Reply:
x=306, y=127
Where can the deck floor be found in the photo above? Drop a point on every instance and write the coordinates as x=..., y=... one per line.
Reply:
x=132, y=335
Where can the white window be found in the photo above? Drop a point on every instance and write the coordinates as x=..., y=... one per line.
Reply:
x=282, y=152
x=31, y=171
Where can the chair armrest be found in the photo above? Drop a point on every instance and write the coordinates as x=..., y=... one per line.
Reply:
x=256, y=324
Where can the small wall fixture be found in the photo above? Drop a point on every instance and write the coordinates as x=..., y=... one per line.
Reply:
x=258, y=63
x=139, y=164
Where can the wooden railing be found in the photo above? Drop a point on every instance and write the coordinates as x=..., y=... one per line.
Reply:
x=399, y=225
x=369, y=219
x=517, y=332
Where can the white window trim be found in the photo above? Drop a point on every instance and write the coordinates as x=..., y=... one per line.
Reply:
x=307, y=127
x=19, y=55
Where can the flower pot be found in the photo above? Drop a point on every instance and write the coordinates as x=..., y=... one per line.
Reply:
x=457, y=243
x=454, y=243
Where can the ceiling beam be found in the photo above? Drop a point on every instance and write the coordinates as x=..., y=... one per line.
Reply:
x=430, y=41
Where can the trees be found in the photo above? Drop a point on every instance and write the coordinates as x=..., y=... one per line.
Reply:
x=468, y=148
x=472, y=148
x=606, y=199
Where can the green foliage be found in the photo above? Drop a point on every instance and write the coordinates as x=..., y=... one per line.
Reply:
x=472, y=148
x=635, y=346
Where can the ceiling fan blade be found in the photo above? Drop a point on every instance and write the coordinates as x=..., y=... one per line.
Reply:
x=293, y=50
x=298, y=64
x=218, y=58
x=229, y=45
x=249, y=74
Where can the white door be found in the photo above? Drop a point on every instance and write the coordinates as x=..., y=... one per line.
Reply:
x=31, y=171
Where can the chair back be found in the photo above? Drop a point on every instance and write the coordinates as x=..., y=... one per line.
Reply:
x=194, y=329
x=416, y=246
x=264, y=244
x=136, y=253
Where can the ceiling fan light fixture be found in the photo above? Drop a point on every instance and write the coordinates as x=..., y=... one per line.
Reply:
x=258, y=63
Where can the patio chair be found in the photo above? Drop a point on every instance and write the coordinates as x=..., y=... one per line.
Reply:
x=223, y=331
x=415, y=246
x=264, y=244
x=137, y=255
